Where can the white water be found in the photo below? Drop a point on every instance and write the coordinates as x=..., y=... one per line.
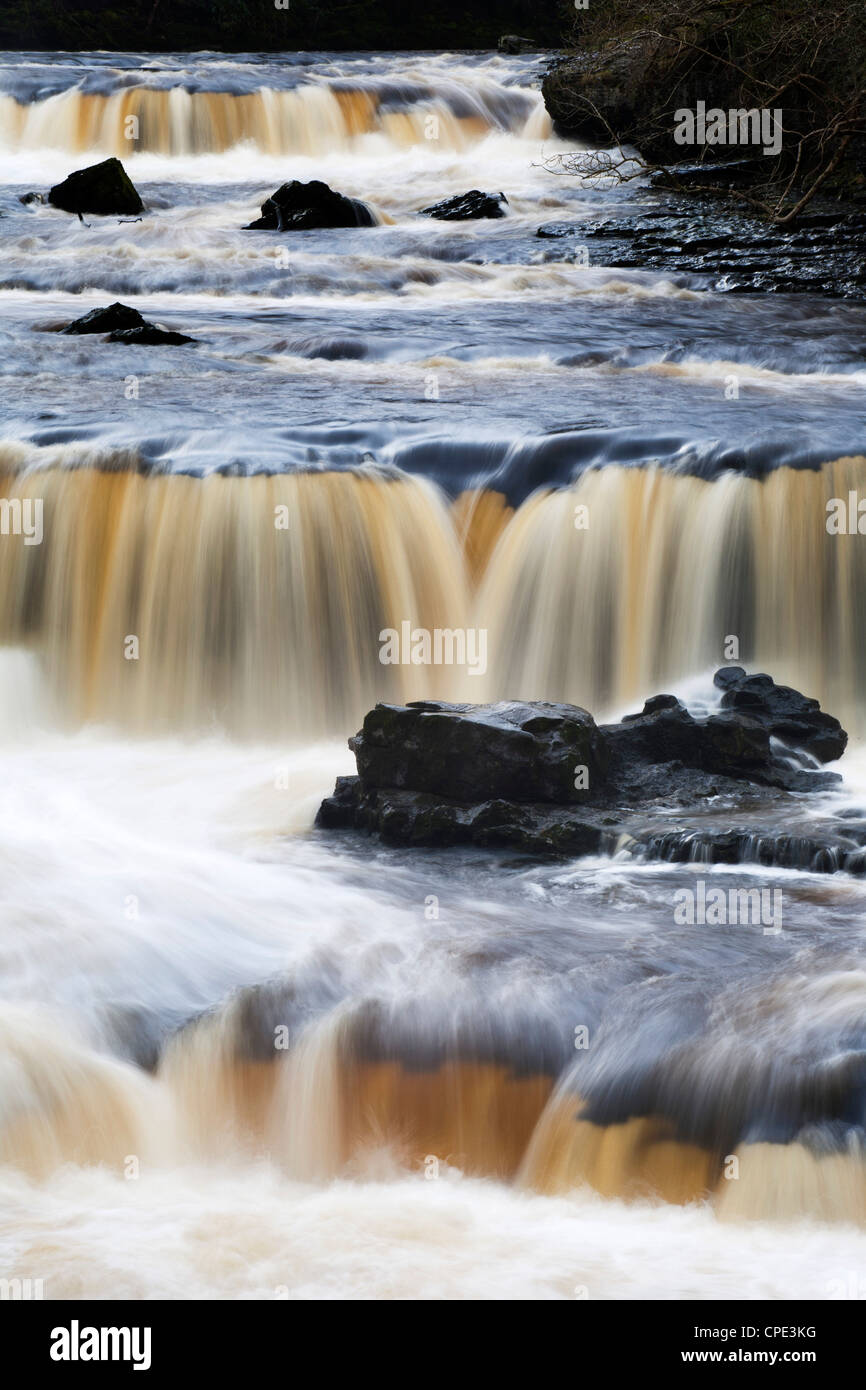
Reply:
x=228, y=894
x=249, y=1234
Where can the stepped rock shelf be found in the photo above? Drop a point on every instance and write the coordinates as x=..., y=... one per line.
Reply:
x=734, y=785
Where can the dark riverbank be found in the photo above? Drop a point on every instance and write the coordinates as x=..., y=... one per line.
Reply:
x=696, y=233
x=301, y=25
x=767, y=101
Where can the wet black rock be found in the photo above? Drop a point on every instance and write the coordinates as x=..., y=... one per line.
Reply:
x=732, y=173
x=101, y=188
x=664, y=749
x=149, y=335
x=524, y=752
x=464, y=207
x=107, y=320
x=122, y=324
x=546, y=779
x=28, y=198
x=822, y=847
x=402, y=817
x=785, y=713
x=665, y=732
x=513, y=43
x=555, y=231
x=300, y=206
x=686, y=234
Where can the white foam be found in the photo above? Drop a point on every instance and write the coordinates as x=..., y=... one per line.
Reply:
x=247, y=1233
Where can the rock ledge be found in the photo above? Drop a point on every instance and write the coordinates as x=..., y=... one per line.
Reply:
x=546, y=779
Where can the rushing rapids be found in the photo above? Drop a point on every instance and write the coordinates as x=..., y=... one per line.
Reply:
x=264, y=1057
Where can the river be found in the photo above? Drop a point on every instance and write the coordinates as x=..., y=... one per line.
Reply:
x=243, y=1059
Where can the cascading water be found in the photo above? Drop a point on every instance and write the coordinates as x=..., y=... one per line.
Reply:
x=229, y=1041
x=666, y=569
x=276, y=631
x=312, y=120
x=625, y=581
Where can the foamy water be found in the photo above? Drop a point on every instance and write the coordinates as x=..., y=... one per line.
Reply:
x=156, y=879
x=403, y=1238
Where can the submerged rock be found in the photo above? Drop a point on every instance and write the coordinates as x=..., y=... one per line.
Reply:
x=123, y=324
x=464, y=207
x=150, y=335
x=812, y=847
x=101, y=188
x=555, y=231
x=546, y=779
x=106, y=320
x=300, y=206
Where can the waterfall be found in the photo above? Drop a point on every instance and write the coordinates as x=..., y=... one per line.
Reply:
x=235, y=618
x=310, y=120
x=635, y=578
x=258, y=603
x=323, y=1108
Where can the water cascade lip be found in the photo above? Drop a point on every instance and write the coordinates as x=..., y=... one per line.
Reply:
x=515, y=468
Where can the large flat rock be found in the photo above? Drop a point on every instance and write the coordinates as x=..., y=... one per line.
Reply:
x=546, y=779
